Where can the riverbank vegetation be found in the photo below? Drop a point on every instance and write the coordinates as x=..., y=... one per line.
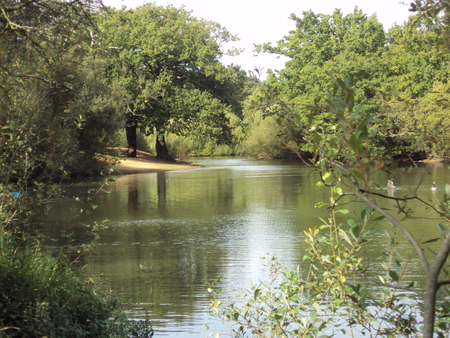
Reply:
x=77, y=77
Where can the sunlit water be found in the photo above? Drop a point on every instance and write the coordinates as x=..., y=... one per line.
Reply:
x=172, y=234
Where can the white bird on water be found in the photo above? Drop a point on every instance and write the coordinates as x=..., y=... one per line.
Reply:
x=434, y=186
x=390, y=184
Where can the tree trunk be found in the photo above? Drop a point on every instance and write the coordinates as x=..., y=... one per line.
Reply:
x=131, y=129
x=429, y=303
x=161, y=150
x=429, y=315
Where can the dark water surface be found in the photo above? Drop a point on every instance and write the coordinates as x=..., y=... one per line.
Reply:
x=173, y=233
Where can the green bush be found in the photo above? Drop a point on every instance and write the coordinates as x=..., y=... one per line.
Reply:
x=43, y=297
x=263, y=142
x=178, y=146
x=223, y=150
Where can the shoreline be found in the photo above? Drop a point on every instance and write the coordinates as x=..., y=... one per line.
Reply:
x=143, y=163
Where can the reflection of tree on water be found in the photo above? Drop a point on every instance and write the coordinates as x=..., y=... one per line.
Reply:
x=135, y=205
x=161, y=261
x=161, y=182
x=133, y=195
x=193, y=227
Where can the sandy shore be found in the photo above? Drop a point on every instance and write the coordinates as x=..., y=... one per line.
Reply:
x=143, y=163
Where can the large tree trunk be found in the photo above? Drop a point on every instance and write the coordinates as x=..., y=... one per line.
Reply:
x=161, y=150
x=131, y=129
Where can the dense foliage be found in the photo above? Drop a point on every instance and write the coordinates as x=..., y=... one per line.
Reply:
x=41, y=297
x=396, y=73
x=167, y=63
x=57, y=112
x=53, y=96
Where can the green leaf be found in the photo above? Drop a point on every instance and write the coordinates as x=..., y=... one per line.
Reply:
x=394, y=276
x=441, y=229
x=317, y=307
x=344, y=235
x=337, y=190
x=319, y=185
x=354, y=142
x=356, y=289
x=447, y=189
x=326, y=175
x=312, y=316
x=432, y=240
x=322, y=204
x=365, y=213
x=350, y=100
x=412, y=284
x=355, y=231
x=351, y=222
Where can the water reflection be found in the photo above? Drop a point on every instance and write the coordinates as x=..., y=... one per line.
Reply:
x=172, y=233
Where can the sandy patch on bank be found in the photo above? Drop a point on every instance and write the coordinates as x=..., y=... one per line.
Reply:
x=143, y=163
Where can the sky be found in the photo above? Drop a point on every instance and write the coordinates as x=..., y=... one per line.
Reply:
x=256, y=21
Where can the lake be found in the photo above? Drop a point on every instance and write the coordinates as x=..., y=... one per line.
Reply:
x=170, y=234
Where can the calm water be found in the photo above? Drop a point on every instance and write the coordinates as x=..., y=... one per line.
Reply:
x=173, y=233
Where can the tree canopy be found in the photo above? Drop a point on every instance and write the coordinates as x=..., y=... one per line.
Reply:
x=400, y=65
x=49, y=97
x=166, y=60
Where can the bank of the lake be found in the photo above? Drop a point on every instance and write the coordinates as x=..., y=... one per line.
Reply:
x=143, y=163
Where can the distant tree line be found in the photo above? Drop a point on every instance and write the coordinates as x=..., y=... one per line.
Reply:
x=104, y=77
x=400, y=74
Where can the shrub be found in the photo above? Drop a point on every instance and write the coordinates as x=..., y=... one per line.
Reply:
x=43, y=297
x=263, y=142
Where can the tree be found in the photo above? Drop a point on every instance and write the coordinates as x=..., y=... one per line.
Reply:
x=322, y=42
x=166, y=59
x=437, y=10
x=46, y=96
x=46, y=91
x=403, y=62
x=351, y=45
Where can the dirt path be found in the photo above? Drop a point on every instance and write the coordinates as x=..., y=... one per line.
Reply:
x=143, y=163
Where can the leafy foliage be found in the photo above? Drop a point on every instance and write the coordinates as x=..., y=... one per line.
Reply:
x=167, y=61
x=394, y=71
x=50, y=91
x=325, y=296
x=57, y=111
x=263, y=141
x=41, y=296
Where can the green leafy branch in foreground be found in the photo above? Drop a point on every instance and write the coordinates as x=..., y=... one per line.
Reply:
x=338, y=288
x=325, y=294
